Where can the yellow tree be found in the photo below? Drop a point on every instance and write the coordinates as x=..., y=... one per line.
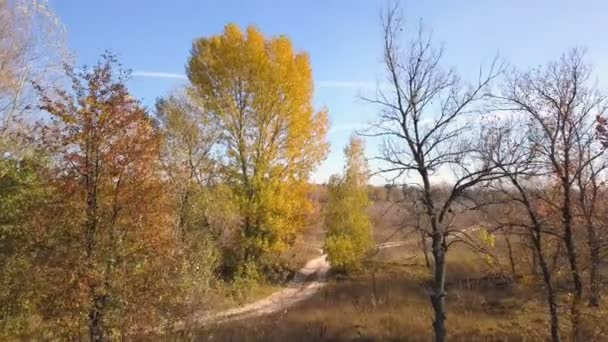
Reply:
x=346, y=220
x=259, y=93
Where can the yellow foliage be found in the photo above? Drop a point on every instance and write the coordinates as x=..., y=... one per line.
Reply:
x=259, y=93
x=487, y=237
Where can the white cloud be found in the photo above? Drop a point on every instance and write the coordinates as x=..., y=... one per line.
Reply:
x=346, y=84
x=156, y=74
x=320, y=84
x=347, y=127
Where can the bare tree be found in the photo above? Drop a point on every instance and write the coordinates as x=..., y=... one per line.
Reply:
x=32, y=50
x=561, y=107
x=588, y=181
x=517, y=157
x=423, y=124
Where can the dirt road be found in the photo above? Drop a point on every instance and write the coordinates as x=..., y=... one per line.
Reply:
x=309, y=279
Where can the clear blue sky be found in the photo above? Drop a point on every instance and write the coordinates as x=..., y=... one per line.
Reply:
x=343, y=39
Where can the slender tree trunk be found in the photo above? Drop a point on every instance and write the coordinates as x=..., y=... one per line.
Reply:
x=374, y=289
x=577, y=295
x=587, y=199
x=595, y=259
x=587, y=196
x=96, y=331
x=550, y=291
x=438, y=296
x=439, y=254
x=537, y=246
x=425, y=249
x=553, y=308
x=594, y=249
x=183, y=212
x=534, y=266
x=510, y=250
x=555, y=260
x=91, y=174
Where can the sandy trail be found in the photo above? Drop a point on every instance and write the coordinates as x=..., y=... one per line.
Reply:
x=309, y=279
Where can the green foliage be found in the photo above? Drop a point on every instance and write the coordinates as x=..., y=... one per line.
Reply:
x=205, y=212
x=343, y=252
x=25, y=197
x=246, y=278
x=346, y=220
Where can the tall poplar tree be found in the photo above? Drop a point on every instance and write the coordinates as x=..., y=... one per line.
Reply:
x=259, y=92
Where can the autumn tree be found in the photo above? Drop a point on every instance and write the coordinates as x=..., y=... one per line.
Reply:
x=425, y=129
x=118, y=252
x=202, y=214
x=189, y=138
x=346, y=219
x=561, y=105
x=258, y=92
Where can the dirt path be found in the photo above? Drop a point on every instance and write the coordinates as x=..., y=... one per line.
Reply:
x=309, y=279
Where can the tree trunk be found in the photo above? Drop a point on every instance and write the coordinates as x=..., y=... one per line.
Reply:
x=438, y=296
x=439, y=255
x=551, y=298
x=555, y=261
x=510, y=250
x=577, y=295
x=374, y=289
x=96, y=331
x=534, y=266
x=588, y=197
x=594, y=249
x=425, y=250
x=537, y=246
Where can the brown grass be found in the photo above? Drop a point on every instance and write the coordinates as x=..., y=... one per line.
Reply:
x=481, y=307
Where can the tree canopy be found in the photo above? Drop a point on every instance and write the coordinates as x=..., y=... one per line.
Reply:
x=259, y=92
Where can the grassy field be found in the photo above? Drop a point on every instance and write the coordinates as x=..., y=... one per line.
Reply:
x=389, y=302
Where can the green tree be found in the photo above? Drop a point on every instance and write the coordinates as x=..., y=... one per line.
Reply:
x=187, y=155
x=24, y=197
x=346, y=219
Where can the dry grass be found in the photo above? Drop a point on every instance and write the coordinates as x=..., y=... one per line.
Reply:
x=390, y=300
x=481, y=307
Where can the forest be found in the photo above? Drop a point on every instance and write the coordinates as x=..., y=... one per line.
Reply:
x=198, y=220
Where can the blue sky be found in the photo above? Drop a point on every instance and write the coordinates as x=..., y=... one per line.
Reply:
x=343, y=38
